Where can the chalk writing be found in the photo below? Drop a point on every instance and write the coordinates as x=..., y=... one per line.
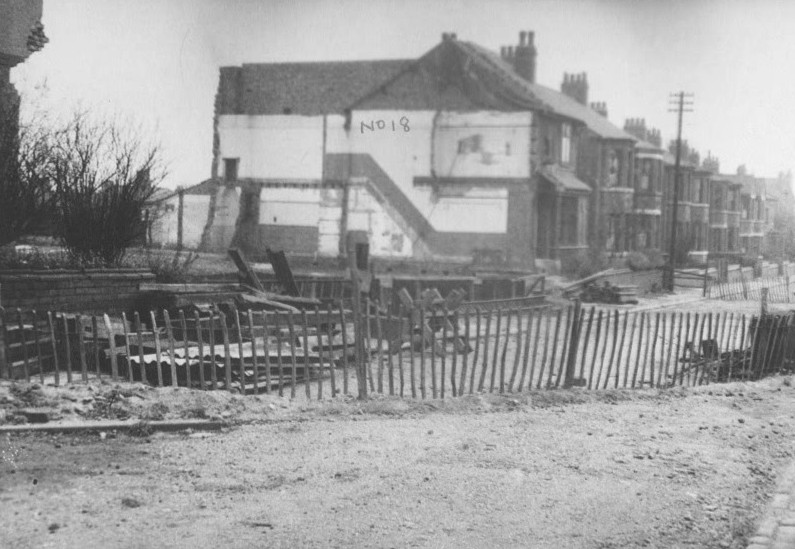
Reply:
x=386, y=125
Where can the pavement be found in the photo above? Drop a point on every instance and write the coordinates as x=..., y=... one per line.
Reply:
x=777, y=529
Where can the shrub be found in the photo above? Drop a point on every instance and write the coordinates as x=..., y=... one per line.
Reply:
x=584, y=263
x=166, y=269
x=637, y=261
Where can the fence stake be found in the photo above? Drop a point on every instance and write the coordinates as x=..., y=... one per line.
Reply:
x=616, y=322
x=464, y=349
x=638, y=353
x=67, y=347
x=568, y=326
x=158, y=354
x=305, y=327
x=495, y=356
x=171, y=348
x=141, y=363
x=505, y=349
x=184, y=326
x=227, y=354
x=605, y=338
x=242, y=365
x=267, y=351
x=330, y=353
x=443, y=346
x=558, y=320
x=585, y=346
x=409, y=315
x=213, y=354
x=573, y=341
x=95, y=340
x=390, y=319
x=698, y=321
x=654, y=347
x=320, y=356
x=24, y=345
x=127, y=347
x=81, y=341
x=475, y=356
x=485, y=365
x=114, y=364
x=595, y=349
x=293, y=364
x=547, y=333
x=525, y=353
x=380, y=350
x=367, y=346
x=536, y=341
x=517, y=355
x=54, y=343
x=621, y=348
x=200, y=341
x=401, y=331
x=37, y=342
x=422, y=351
x=643, y=350
x=432, y=335
x=344, y=336
x=252, y=334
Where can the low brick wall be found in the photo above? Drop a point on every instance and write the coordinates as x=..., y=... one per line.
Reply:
x=90, y=291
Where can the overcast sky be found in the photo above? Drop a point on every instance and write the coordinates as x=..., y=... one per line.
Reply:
x=156, y=61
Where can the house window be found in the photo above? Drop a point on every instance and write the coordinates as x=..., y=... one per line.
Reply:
x=645, y=175
x=565, y=144
x=613, y=168
x=471, y=144
x=568, y=220
x=230, y=168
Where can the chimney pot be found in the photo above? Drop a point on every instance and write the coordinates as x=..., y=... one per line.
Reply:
x=522, y=38
x=503, y=52
x=453, y=36
x=445, y=36
x=530, y=38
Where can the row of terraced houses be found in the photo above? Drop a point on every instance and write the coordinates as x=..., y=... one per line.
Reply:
x=459, y=155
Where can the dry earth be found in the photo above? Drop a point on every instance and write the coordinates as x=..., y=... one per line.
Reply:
x=680, y=468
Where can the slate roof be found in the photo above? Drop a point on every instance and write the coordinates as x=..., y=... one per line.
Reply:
x=453, y=75
x=749, y=184
x=301, y=88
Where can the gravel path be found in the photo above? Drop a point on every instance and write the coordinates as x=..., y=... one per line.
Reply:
x=682, y=468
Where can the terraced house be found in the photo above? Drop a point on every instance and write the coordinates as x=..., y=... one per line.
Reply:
x=459, y=154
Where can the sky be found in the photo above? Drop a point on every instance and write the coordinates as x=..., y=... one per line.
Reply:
x=155, y=62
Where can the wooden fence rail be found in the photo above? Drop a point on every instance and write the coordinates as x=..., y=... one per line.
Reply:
x=427, y=352
x=779, y=289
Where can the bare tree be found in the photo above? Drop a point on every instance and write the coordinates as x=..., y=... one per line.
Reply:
x=103, y=174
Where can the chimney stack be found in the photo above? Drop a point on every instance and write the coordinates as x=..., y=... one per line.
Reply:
x=711, y=163
x=600, y=107
x=576, y=87
x=636, y=127
x=524, y=57
x=448, y=36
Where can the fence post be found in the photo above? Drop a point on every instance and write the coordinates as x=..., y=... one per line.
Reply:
x=571, y=360
x=361, y=365
x=763, y=301
x=706, y=277
x=3, y=360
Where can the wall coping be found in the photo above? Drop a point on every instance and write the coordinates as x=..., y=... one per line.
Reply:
x=91, y=274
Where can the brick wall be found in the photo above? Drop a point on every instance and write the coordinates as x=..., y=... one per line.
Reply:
x=71, y=291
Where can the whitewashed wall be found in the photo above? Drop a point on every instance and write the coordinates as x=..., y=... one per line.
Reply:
x=165, y=227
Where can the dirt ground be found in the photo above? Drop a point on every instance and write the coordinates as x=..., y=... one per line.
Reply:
x=679, y=468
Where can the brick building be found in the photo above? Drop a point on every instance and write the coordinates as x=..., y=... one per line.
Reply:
x=21, y=33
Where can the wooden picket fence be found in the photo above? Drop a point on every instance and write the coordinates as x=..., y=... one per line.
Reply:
x=779, y=289
x=418, y=353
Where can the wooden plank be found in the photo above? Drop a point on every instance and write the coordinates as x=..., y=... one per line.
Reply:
x=281, y=268
x=200, y=342
x=366, y=353
x=266, y=342
x=402, y=330
x=621, y=348
x=684, y=321
x=412, y=361
x=81, y=344
x=432, y=334
x=114, y=364
x=536, y=340
x=568, y=327
x=37, y=342
x=662, y=370
x=293, y=363
x=54, y=343
x=141, y=364
x=252, y=334
x=245, y=269
x=158, y=353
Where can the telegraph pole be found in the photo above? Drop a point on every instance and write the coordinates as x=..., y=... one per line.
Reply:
x=680, y=103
